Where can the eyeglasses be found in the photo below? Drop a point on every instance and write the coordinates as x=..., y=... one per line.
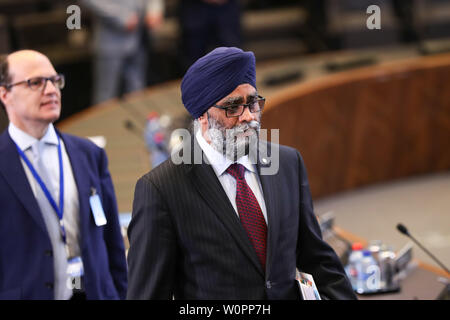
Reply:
x=236, y=110
x=37, y=83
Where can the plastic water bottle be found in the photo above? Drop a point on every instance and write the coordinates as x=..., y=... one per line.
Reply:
x=353, y=268
x=370, y=273
x=155, y=135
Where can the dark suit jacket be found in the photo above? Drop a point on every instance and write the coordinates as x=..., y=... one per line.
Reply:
x=26, y=262
x=187, y=241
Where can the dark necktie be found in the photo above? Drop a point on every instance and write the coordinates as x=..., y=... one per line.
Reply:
x=250, y=213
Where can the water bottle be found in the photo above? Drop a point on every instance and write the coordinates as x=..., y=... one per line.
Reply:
x=155, y=137
x=387, y=268
x=370, y=273
x=353, y=267
x=375, y=248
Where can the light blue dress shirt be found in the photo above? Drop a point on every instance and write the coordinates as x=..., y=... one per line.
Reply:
x=49, y=156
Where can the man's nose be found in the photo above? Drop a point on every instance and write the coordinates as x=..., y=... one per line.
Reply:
x=49, y=87
x=247, y=116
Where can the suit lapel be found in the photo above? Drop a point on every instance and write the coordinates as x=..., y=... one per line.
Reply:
x=81, y=175
x=270, y=188
x=12, y=170
x=209, y=187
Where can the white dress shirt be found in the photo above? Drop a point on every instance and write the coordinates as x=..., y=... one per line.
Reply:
x=220, y=164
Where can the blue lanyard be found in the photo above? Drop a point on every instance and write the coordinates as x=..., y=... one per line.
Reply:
x=59, y=210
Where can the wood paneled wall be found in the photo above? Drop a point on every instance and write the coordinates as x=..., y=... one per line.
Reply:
x=368, y=125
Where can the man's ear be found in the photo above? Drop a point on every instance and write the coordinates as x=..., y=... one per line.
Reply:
x=3, y=93
x=204, y=124
x=203, y=119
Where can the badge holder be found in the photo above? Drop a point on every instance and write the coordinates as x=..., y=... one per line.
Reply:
x=97, y=208
x=75, y=270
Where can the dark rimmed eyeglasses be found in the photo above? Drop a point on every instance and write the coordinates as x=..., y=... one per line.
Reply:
x=37, y=83
x=236, y=110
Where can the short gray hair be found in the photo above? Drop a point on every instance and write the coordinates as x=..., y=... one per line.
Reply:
x=5, y=77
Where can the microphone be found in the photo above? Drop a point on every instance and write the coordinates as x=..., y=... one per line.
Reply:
x=404, y=230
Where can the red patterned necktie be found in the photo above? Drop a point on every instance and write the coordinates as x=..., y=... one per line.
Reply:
x=250, y=213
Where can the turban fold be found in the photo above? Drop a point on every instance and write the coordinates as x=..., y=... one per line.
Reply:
x=214, y=76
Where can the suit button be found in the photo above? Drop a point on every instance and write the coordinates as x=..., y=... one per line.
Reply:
x=49, y=285
x=268, y=284
x=48, y=253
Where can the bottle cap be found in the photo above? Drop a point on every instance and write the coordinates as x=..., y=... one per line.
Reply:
x=367, y=253
x=357, y=246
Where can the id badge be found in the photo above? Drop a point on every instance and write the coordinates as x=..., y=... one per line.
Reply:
x=97, y=209
x=75, y=271
x=75, y=267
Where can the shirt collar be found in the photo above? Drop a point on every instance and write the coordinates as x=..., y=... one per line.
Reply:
x=25, y=141
x=218, y=161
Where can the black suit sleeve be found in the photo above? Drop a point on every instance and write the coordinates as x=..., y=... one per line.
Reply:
x=151, y=257
x=314, y=255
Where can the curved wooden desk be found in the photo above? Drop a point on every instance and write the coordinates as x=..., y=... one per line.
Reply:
x=368, y=125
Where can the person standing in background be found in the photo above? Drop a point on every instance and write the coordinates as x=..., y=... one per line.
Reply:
x=59, y=226
x=206, y=24
x=121, y=34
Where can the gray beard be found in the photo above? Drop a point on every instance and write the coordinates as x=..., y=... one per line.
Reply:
x=230, y=142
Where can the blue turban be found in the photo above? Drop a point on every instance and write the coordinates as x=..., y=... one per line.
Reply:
x=214, y=76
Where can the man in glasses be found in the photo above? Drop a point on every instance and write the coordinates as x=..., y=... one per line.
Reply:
x=222, y=228
x=59, y=231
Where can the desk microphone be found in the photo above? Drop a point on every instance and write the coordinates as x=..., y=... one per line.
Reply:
x=404, y=230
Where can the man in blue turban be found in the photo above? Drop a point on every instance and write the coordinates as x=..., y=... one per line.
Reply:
x=215, y=76
x=221, y=228
x=218, y=83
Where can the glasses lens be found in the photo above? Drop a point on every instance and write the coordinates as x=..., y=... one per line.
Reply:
x=58, y=81
x=257, y=106
x=234, y=111
x=36, y=83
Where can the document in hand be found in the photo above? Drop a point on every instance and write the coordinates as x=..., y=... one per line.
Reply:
x=307, y=286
